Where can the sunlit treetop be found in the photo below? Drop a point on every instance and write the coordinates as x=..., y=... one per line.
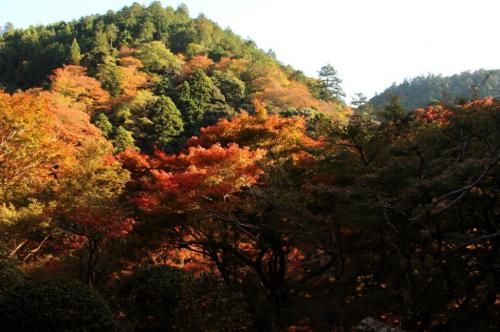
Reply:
x=201, y=177
x=273, y=133
x=84, y=92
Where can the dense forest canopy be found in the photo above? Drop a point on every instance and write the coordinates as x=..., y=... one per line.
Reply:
x=423, y=90
x=158, y=173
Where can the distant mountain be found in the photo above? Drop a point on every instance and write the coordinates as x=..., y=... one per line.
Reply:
x=422, y=90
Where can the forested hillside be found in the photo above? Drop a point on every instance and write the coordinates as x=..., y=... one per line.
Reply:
x=423, y=90
x=158, y=173
x=140, y=54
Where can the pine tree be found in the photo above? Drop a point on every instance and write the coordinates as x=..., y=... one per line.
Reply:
x=196, y=97
x=192, y=112
x=75, y=55
x=202, y=87
x=393, y=111
x=330, y=89
x=167, y=122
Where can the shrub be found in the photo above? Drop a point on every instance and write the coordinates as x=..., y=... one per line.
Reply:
x=54, y=305
x=207, y=304
x=151, y=296
x=10, y=274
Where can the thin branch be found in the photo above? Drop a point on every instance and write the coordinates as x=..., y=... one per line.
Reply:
x=461, y=192
x=476, y=240
x=34, y=251
x=16, y=249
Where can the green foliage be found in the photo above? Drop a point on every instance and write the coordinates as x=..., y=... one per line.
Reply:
x=167, y=122
x=216, y=112
x=363, y=106
x=101, y=46
x=192, y=111
x=151, y=296
x=28, y=56
x=231, y=87
x=359, y=100
x=330, y=89
x=134, y=116
x=156, y=58
x=199, y=100
x=24, y=220
x=109, y=75
x=111, y=32
x=10, y=274
x=39, y=59
x=123, y=139
x=102, y=122
x=207, y=304
x=314, y=119
x=393, y=111
x=164, y=87
x=54, y=305
x=74, y=53
x=202, y=88
x=7, y=28
x=147, y=30
x=182, y=37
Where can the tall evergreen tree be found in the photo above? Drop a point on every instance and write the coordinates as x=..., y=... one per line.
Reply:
x=192, y=111
x=102, y=122
x=394, y=111
x=330, y=88
x=167, y=122
x=75, y=55
x=202, y=87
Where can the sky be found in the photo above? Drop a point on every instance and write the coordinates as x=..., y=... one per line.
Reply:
x=371, y=43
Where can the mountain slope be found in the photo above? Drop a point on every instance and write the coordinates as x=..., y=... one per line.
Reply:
x=167, y=74
x=422, y=90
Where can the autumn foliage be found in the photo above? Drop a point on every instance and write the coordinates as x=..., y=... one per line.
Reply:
x=202, y=177
x=281, y=137
x=438, y=114
x=279, y=206
x=29, y=148
x=132, y=79
x=85, y=93
x=197, y=62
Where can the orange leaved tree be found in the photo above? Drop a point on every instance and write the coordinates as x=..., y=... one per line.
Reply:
x=84, y=92
x=227, y=197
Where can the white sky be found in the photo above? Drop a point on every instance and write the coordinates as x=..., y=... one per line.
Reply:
x=371, y=43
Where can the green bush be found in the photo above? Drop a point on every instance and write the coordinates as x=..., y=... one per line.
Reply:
x=207, y=304
x=10, y=274
x=54, y=305
x=151, y=297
